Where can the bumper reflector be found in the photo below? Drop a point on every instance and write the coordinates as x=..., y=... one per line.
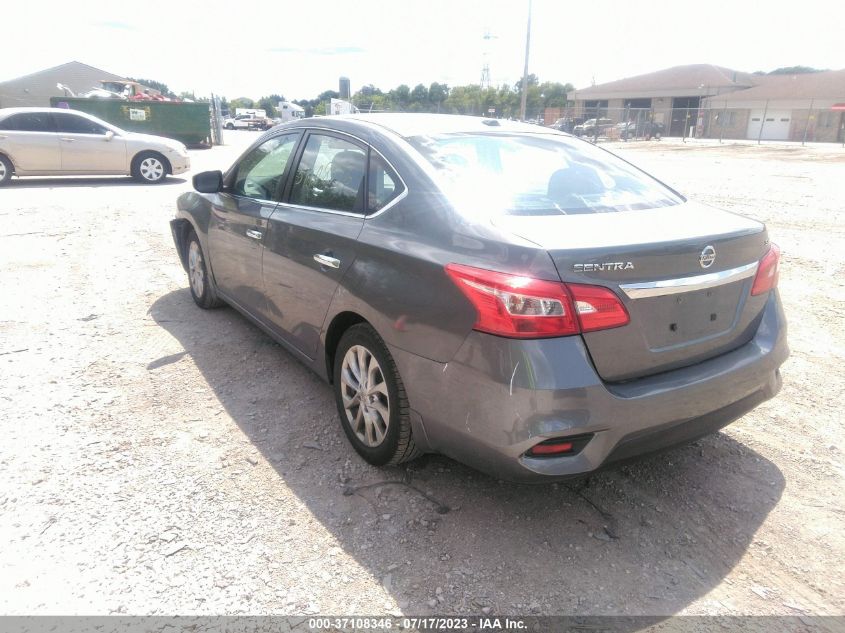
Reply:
x=560, y=446
x=551, y=449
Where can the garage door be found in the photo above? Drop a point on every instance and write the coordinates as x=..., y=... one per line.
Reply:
x=775, y=126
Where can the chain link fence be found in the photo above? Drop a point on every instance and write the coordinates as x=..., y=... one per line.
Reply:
x=710, y=121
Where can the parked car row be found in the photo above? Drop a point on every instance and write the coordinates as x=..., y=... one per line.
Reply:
x=605, y=127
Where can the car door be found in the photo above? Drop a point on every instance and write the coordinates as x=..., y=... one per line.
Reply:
x=30, y=140
x=312, y=235
x=89, y=147
x=239, y=217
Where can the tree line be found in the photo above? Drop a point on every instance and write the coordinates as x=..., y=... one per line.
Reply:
x=501, y=101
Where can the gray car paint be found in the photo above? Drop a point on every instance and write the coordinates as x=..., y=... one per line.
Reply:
x=393, y=278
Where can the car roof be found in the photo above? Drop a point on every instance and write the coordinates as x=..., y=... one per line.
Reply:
x=408, y=125
x=4, y=112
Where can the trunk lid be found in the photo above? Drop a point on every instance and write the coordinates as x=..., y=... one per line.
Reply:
x=683, y=272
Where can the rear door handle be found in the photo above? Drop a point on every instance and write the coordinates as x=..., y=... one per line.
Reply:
x=68, y=140
x=325, y=260
x=256, y=235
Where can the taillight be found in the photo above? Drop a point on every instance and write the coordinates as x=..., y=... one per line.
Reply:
x=522, y=307
x=597, y=307
x=515, y=306
x=767, y=271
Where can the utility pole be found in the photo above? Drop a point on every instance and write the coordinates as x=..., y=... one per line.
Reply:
x=525, y=72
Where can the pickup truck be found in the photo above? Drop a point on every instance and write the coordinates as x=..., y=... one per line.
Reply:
x=247, y=122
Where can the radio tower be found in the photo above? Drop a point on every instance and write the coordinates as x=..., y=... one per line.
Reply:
x=485, y=69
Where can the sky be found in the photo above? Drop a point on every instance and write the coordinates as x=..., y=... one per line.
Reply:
x=299, y=49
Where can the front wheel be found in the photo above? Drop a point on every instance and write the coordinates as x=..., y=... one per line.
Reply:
x=202, y=287
x=371, y=399
x=149, y=167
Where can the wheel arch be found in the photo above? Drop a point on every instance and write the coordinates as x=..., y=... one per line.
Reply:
x=11, y=161
x=181, y=228
x=339, y=324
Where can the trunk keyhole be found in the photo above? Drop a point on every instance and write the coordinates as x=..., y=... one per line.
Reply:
x=713, y=317
x=673, y=327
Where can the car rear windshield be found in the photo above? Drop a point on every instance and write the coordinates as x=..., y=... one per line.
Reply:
x=538, y=174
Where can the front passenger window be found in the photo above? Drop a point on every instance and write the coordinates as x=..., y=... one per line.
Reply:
x=260, y=173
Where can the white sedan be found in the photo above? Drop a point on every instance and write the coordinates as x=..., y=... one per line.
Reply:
x=60, y=142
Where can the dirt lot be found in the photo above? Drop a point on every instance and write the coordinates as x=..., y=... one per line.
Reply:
x=160, y=459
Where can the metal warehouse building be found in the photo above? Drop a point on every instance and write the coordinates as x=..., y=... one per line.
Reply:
x=37, y=88
x=709, y=101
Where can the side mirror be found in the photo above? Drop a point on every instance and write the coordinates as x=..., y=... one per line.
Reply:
x=208, y=181
x=109, y=135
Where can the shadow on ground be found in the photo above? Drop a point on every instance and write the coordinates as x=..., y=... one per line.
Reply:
x=29, y=182
x=647, y=538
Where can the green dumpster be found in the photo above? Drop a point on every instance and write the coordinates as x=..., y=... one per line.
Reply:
x=186, y=122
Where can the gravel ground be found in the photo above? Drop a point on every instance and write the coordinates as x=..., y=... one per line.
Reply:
x=160, y=459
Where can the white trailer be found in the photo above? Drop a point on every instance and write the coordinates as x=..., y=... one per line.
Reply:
x=290, y=111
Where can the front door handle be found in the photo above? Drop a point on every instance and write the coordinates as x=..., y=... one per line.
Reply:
x=68, y=140
x=326, y=260
x=256, y=235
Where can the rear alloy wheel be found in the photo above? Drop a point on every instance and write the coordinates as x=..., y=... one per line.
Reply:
x=6, y=170
x=371, y=399
x=149, y=168
x=202, y=287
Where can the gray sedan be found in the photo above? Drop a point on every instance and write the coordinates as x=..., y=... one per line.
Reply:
x=505, y=294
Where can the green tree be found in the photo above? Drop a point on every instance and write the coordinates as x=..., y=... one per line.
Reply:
x=270, y=104
x=400, y=97
x=437, y=94
x=241, y=102
x=796, y=70
x=419, y=99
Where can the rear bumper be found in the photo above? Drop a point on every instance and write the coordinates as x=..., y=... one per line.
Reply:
x=498, y=397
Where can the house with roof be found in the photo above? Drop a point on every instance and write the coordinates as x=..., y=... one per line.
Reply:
x=36, y=89
x=798, y=107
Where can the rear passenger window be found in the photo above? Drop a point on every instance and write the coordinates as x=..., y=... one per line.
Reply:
x=28, y=122
x=384, y=184
x=330, y=175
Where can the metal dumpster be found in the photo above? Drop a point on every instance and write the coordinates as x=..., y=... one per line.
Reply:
x=186, y=122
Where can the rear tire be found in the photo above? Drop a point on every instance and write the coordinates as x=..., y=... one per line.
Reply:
x=201, y=284
x=6, y=170
x=371, y=399
x=150, y=168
